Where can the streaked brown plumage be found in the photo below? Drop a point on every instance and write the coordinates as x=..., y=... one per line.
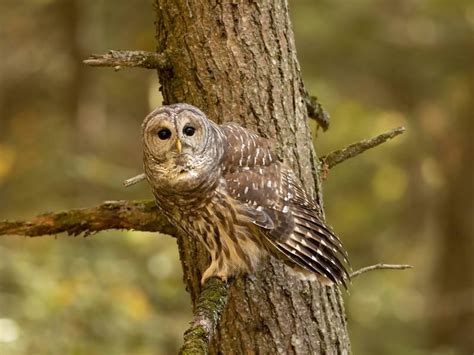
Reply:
x=226, y=186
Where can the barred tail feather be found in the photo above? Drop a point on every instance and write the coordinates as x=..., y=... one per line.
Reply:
x=337, y=275
x=321, y=232
x=303, y=262
x=311, y=247
x=322, y=252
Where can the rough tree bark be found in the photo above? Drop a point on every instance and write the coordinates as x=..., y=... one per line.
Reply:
x=236, y=60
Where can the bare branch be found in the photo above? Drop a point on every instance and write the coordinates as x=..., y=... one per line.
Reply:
x=128, y=59
x=135, y=215
x=316, y=111
x=134, y=180
x=355, y=149
x=207, y=314
x=142, y=215
x=380, y=267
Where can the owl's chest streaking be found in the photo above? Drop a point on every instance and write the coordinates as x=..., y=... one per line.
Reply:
x=232, y=241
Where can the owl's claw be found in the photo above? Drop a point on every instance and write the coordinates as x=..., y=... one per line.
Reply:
x=212, y=272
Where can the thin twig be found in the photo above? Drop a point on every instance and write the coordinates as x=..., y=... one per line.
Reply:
x=134, y=180
x=142, y=216
x=129, y=59
x=380, y=267
x=207, y=314
x=329, y=160
x=355, y=149
x=131, y=215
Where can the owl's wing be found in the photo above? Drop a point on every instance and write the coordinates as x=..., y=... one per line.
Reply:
x=274, y=199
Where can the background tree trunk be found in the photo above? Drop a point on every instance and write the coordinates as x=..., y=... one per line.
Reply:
x=451, y=298
x=236, y=61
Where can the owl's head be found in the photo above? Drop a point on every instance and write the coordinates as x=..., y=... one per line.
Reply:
x=181, y=147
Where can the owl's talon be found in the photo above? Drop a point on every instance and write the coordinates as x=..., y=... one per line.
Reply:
x=207, y=275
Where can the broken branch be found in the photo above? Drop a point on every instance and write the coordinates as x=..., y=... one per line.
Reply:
x=129, y=59
x=316, y=111
x=355, y=149
x=134, y=180
x=131, y=215
x=380, y=267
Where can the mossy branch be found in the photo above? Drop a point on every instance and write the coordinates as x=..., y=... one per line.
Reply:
x=207, y=314
x=355, y=149
x=131, y=215
x=129, y=59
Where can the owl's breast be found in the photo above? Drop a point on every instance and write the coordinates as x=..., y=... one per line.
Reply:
x=215, y=220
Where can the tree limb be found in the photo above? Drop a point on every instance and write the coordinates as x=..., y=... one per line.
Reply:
x=355, y=149
x=379, y=267
x=207, y=314
x=129, y=59
x=142, y=215
x=135, y=215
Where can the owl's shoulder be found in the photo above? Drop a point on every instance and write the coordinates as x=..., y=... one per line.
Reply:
x=239, y=134
x=245, y=149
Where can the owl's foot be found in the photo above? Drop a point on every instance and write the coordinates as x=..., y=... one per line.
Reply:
x=212, y=271
x=205, y=278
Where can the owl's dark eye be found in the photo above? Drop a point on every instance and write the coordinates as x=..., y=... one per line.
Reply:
x=164, y=133
x=189, y=130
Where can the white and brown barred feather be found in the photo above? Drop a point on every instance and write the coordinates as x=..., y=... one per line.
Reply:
x=228, y=189
x=274, y=200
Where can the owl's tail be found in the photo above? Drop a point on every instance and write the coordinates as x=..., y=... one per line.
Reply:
x=313, y=249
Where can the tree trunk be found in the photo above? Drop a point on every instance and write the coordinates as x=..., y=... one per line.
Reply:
x=453, y=276
x=236, y=61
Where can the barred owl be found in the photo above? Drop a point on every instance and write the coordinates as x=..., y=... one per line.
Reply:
x=225, y=186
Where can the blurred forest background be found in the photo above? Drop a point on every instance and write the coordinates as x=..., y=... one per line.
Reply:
x=69, y=135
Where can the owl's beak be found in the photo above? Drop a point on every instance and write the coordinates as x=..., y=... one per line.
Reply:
x=179, y=147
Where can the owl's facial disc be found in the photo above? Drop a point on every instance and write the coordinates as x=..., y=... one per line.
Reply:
x=191, y=131
x=160, y=137
x=177, y=142
x=179, y=149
